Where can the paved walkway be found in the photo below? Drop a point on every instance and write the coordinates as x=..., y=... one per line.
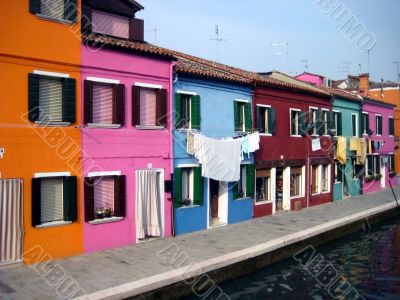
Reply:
x=138, y=266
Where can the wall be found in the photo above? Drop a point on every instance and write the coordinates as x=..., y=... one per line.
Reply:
x=216, y=105
x=125, y=149
x=310, y=78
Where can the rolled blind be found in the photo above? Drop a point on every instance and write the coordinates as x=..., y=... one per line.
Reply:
x=263, y=173
x=102, y=105
x=50, y=99
x=51, y=191
x=52, y=8
x=295, y=171
x=110, y=24
x=104, y=193
x=148, y=107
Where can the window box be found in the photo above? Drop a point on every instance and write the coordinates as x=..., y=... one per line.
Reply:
x=63, y=11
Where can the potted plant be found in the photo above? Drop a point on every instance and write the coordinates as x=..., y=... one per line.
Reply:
x=100, y=212
x=186, y=202
x=108, y=212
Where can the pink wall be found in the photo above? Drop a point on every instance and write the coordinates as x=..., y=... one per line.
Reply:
x=313, y=79
x=126, y=149
x=388, y=148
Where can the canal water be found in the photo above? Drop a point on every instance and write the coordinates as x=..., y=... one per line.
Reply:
x=364, y=265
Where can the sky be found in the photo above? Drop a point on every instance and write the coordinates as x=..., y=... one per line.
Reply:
x=283, y=35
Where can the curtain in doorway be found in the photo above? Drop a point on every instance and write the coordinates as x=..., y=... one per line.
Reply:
x=11, y=220
x=148, y=206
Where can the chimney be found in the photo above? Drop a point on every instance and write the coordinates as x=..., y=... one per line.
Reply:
x=364, y=84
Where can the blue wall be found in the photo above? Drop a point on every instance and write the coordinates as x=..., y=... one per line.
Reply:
x=217, y=120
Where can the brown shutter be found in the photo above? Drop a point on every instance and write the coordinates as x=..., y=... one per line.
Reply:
x=89, y=199
x=136, y=30
x=87, y=110
x=119, y=196
x=135, y=105
x=119, y=104
x=161, y=108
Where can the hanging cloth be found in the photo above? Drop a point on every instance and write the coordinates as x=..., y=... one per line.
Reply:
x=190, y=143
x=361, y=157
x=353, y=144
x=254, y=141
x=341, y=150
x=245, y=148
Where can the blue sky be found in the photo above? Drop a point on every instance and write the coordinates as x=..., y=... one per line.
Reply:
x=250, y=27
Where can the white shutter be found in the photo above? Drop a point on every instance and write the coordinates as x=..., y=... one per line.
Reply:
x=52, y=8
x=110, y=24
x=102, y=104
x=147, y=107
x=51, y=191
x=104, y=193
x=50, y=99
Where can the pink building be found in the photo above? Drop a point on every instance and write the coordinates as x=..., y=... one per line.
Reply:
x=315, y=79
x=126, y=141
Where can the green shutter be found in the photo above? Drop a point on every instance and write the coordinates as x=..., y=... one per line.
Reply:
x=195, y=108
x=367, y=124
x=320, y=123
x=34, y=6
x=370, y=165
x=272, y=120
x=235, y=190
x=120, y=196
x=198, y=186
x=378, y=165
x=178, y=110
x=248, y=120
x=339, y=124
x=331, y=120
x=70, y=198
x=33, y=97
x=302, y=123
x=71, y=9
x=250, y=181
x=392, y=163
x=69, y=96
x=363, y=118
x=36, y=209
x=259, y=119
x=391, y=126
x=178, y=188
x=236, y=116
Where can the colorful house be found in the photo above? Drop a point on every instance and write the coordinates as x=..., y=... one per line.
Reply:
x=211, y=102
x=40, y=140
x=126, y=125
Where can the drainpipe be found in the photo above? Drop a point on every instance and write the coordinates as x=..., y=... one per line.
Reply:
x=171, y=144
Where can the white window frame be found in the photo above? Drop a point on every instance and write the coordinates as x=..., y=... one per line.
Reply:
x=149, y=85
x=271, y=197
x=103, y=80
x=310, y=109
x=302, y=183
x=298, y=124
x=266, y=118
x=190, y=110
x=366, y=129
x=352, y=129
x=325, y=122
x=376, y=124
x=317, y=180
x=190, y=178
x=328, y=170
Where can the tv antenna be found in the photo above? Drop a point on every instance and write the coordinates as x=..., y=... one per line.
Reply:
x=155, y=34
x=397, y=72
x=306, y=65
x=344, y=67
x=218, y=40
x=284, y=49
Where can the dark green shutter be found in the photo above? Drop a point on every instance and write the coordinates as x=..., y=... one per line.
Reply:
x=392, y=163
x=178, y=110
x=198, y=186
x=250, y=181
x=391, y=126
x=120, y=196
x=235, y=190
x=34, y=6
x=70, y=10
x=196, y=112
x=69, y=100
x=363, y=119
x=178, y=188
x=87, y=102
x=70, y=202
x=367, y=124
x=36, y=209
x=302, y=123
x=339, y=124
x=89, y=198
x=259, y=119
x=320, y=123
x=86, y=19
x=33, y=97
x=272, y=120
x=248, y=120
x=236, y=116
x=331, y=120
x=378, y=165
x=370, y=165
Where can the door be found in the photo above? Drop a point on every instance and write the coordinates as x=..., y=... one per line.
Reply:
x=11, y=220
x=384, y=162
x=214, y=197
x=279, y=190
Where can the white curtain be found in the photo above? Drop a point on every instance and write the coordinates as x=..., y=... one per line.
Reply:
x=11, y=222
x=148, y=206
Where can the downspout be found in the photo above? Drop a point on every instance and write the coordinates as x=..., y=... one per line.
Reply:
x=171, y=143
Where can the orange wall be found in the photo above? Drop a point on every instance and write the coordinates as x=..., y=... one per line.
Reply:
x=34, y=44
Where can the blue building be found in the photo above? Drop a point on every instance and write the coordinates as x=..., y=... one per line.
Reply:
x=216, y=104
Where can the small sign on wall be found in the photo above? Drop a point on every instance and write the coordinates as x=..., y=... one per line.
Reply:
x=2, y=152
x=316, y=144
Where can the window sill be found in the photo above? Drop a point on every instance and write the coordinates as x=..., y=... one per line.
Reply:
x=142, y=127
x=296, y=197
x=265, y=134
x=53, y=224
x=105, y=126
x=57, y=20
x=327, y=192
x=338, y=182
x=51, y=124
x=106, y=220
x=189, y=206
x=243, y=198
x=296, y=136
x=263, y=202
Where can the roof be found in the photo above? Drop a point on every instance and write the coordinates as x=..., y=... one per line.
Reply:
x=135, y=3
x=386, y=84
x=377, y=101
x=312, y=74
x=344, y=94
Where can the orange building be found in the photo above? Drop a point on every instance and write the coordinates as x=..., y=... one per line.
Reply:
x=40, y=156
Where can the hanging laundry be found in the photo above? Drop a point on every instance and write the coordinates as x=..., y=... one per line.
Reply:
x=369, y=148
x=341, y=149
x=190, y=143
x=361, y=157
x=254, y=141
x=245, y=147
x=353, y=144
x=376, y=145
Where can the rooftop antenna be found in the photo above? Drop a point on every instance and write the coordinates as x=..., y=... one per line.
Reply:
x=155, y=34
x=345, y=67
x=360, y=66
x=398, y=72
x=306, y=65
x=218, y=40
x=284, y=49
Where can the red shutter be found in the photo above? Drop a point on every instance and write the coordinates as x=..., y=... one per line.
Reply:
x=136, y=30
x=161, y=108
x=87, y=102
x=119, y=196
x=89, y=199
x=135, y=105
x=119, y=104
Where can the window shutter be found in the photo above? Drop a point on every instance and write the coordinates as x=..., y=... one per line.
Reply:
x=259, y=119
x=320, y=123
x=378, y=165
x=250, y=181
x=120, y=196
x=36, y=211
x=70, y=11
x=272, y=120
x=367, y=124
x=331, y=120
x=370, y=165
x=178, y=188
x=178, y=110
x=86, y=19
x=119, y=104
x=136, y=30
x=302, y=123
x=34, y=6
x=248, y=117
x=68, y=110
x=33, y=97
x=161, y=108
x=236, y=116
x=88, y=102
x=198, y=186
x=235, y=190
x=196, y=117
x=339, y=124
x=70, y=198
x=135, y=105
x=89, y=198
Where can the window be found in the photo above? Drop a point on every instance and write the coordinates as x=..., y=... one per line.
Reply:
x=313, y=119
x=337, y=123
x=373, y=166
x=325, y=126
x=295, y=182
x=354, y=125
x=54, y=9
x=378, y=120
x=54, y=199
x=51, y=99
x=149, y=107
x=263, y=185
x=314, y=179
x=297, y=122
x=104, y=197
x=364, y=123
x=338, y=172
x=325, y=182
x=187, y=111
x=266, y=120
x=110, y=24
x=242, y=116
x=188, y=187
x=245, y=185
x=391, y=164
x=391, y=126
